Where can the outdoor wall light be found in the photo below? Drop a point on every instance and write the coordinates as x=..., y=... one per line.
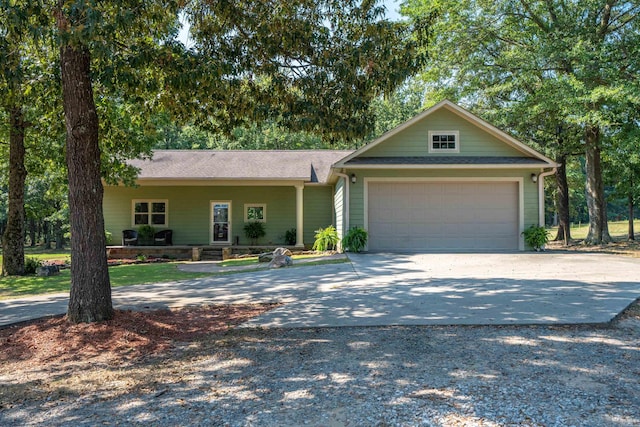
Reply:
x=534, y=177
x=353, y=178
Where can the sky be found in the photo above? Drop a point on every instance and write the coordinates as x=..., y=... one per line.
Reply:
x=392, y=9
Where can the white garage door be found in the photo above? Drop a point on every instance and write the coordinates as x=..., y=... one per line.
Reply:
x=423, y=216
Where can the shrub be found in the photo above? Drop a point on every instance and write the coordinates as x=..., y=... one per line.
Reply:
x=536, y=237
x=108, y=236
x=290, y=237
x=355, y=240
x=254, y=230
x=145, y=234
x=326, y=239
x=31, y=265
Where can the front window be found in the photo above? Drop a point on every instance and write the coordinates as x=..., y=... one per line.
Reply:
x=150, y=212
x=255, y=212
x=444, y=142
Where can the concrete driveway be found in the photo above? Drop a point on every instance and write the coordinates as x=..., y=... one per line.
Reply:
x=397, y=289
x=468, y=289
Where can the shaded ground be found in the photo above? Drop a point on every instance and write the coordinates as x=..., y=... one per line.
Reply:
x=49, y=347
x=156, y=352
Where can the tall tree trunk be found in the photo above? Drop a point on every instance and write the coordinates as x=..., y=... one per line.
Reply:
x=562, y=201
x=90, y=299
x=32, y=231
x=46, y=231
x=13, y=237
x=596, y=201
x=631, y=235
x=59, y=235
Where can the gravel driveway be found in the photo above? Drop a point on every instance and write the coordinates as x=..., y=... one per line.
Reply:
x=393, y=376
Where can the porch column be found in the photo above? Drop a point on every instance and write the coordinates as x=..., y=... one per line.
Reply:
x=299, y=216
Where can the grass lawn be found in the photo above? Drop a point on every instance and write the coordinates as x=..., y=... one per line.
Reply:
x=617, y=229
x=46, y=254
x=122, y=275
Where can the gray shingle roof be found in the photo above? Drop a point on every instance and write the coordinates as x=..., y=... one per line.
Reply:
x=446, y=160
x=306, y=165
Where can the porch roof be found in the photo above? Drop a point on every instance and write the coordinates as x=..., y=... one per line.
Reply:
x=304, y=165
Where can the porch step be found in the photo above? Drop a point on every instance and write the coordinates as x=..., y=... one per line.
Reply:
x=211, y=254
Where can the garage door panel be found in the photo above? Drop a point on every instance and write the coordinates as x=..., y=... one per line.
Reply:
x=443, y=216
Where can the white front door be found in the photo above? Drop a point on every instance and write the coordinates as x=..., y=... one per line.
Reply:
x=220, y=222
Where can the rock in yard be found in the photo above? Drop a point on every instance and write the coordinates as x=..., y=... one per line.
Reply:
x=48, y=270
x=265, y=257
x=282, y=251
x=280, y=261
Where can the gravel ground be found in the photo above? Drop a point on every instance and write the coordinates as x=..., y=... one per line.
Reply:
x=392, y=376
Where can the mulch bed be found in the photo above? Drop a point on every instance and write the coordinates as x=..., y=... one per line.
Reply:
x=130, y=335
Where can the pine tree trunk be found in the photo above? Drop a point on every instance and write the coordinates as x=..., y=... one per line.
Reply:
x=562, y=202
x=631, y=235
x=32, y=231
x=596, y=201
x=90, y=299
x=59, y=235
x=13, y=236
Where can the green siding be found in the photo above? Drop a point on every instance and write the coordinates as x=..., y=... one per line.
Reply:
x=318, y=210
x=338, y=203
x=189, y=210
x=356, y=191
x=413, y=141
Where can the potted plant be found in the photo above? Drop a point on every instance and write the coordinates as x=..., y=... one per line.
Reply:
x=326, y=239
x=145, y=235
x=536, y=237
x=355, y=240
x=290, y=237
x=254, y=230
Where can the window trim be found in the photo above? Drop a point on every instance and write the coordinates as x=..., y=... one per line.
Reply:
x=444, y=150
x=150, y=201
x=255, y=205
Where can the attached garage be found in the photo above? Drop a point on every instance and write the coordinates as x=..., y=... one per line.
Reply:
x=443, y=215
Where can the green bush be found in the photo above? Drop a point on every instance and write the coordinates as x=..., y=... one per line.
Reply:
x=326, y=239
x=108, y=236
x=145, y=235
x=536, y=237
x=355, y=240
x=290, y=237
x=254, y=230
x=31, y=265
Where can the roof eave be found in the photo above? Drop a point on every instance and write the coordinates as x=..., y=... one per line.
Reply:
x=451, y=166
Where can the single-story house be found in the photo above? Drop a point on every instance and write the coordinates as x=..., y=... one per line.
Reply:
x=444, y=180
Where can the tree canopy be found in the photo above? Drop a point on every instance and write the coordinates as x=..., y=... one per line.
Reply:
x=571, y=62
x=311, y=66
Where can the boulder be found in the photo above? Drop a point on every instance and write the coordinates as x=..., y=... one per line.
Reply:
x=48, y=270
x=265, y=257
x=282, y=251
x=280, y=261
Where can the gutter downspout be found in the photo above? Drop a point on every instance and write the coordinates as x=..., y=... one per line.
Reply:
x=347, y=181
x=541, y=177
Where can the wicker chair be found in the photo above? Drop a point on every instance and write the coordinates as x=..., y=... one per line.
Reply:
x=129, y=238
x=164, y=237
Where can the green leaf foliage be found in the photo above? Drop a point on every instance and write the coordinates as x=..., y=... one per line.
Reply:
x=355, y=240
x=536, y=237
x=326, y=239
